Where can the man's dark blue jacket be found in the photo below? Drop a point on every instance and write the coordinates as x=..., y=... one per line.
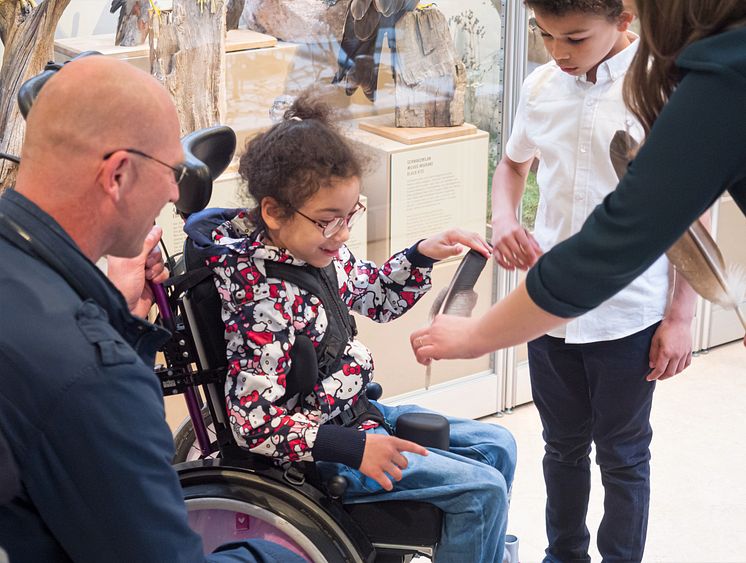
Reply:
x=83, y=414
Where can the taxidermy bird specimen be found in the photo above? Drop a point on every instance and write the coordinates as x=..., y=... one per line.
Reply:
x=132, y=27
x=26, y=5
x=695, y=255
x=367, y=24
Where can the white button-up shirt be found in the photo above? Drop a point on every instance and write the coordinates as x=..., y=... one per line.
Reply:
x=568, y=123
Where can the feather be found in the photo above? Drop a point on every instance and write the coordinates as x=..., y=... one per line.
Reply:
x=388, y=7
x=367, y=26
x=459, y=298
x=695, y=255
x=358, y=66
x=358, y=8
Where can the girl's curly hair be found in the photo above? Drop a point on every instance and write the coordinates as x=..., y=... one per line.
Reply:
x=293, y=159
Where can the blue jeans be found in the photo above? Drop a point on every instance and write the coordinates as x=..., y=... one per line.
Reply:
x=595, y=392
x=469, y=483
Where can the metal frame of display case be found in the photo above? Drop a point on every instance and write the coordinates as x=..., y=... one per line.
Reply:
x=513, y=390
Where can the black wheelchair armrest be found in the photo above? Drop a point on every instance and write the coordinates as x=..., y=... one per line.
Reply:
x=373, y=391
x=424, y=428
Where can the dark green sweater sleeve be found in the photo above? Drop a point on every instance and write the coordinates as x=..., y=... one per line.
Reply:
x=695, y=152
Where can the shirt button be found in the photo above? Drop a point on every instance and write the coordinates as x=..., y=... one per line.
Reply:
x=590, y=102
x=583, y=149
x=579, y=197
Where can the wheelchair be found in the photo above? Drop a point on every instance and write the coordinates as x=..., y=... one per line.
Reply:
x=232, y=494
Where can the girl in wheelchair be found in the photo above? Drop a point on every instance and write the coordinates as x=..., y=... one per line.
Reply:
x=285, y=277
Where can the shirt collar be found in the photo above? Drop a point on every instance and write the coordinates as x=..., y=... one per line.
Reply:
x=614, y=68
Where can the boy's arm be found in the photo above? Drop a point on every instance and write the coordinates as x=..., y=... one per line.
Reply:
x=513, y=246
x=671, y=348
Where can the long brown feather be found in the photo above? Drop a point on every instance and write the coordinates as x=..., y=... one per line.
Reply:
x=695, y=255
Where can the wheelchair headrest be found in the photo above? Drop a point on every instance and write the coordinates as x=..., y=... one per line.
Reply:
x=207, y=153
x=30, y=89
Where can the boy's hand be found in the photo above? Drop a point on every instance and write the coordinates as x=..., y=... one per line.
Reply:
x=382, y=455
x=449, y=243
x=512, y=245
x=670, y=350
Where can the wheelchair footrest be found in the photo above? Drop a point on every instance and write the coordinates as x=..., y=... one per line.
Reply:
x=399, y=522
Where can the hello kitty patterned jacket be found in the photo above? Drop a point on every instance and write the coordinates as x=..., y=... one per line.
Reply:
x=262, y=317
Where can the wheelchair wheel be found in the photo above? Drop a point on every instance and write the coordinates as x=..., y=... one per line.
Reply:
x=227, y=504
x=185, y=440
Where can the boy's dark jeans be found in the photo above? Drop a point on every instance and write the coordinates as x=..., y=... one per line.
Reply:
x=595, y=392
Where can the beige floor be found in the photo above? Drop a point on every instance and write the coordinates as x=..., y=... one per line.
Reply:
x=698, y=505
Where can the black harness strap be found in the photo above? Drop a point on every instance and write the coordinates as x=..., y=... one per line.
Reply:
x=323, y=284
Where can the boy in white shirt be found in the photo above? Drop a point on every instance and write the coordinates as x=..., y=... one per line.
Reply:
x=594, y=379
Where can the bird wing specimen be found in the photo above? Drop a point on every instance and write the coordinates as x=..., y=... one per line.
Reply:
x=367, y=24
x=695, y=255
x=459, y=298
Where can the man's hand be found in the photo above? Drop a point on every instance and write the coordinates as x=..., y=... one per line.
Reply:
x=382, y=455
x=670, y=350
x=130, y=274
x=512, y=245
x=449, y=243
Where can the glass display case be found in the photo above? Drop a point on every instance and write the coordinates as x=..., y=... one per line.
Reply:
x=416, y=183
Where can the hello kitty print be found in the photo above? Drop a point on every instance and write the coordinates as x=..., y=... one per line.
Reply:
x=262, y=317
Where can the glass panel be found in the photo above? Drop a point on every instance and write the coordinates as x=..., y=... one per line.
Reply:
x=413, y=188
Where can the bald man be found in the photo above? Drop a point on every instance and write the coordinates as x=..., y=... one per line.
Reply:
x=79, y=404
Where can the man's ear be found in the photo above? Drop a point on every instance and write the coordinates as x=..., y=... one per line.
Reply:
x=113, y=175
x=273, y=213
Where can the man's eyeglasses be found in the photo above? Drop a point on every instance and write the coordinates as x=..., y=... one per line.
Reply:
x=331, y=228
x=179, y=170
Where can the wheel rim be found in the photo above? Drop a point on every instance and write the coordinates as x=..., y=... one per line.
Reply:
x=287, y=535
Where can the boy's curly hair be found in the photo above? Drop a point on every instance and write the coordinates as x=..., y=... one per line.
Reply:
x=611, y=9
x=293, y=159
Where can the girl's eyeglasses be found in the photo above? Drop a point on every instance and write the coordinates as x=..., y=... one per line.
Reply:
x=331, y=228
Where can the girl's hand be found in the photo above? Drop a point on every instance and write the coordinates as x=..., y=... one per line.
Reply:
x=382, y=456
x=449, y=243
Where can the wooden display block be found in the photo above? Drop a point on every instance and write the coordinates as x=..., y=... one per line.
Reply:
x=246, y=39
x=236, y=40
x=384, y=125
